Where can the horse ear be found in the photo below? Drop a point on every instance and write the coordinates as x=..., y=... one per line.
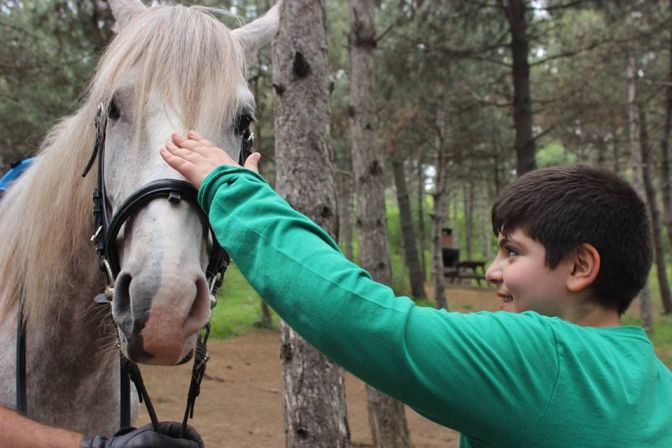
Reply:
x=259, y=32
x=123, y=11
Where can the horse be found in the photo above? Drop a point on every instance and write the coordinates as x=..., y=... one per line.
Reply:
x=169, y=68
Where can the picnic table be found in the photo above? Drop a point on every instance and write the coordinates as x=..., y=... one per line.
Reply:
x=466, y=269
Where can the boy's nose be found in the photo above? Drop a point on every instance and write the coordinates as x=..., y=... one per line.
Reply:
x=494, y=272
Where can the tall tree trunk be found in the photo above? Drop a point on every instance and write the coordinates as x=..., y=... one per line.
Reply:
x=345, y=211
x=407, y=233
x=636, y=157
x=665, y=167
x=386, y=416
x=657, y=228
x=314, y=391
x=485, y=221
x=404, y=202
x=468, y=201
x=522, y=98
x=421, y=218
x=440, y=211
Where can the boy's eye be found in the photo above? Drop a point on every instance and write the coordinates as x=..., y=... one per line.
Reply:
x=510, y=252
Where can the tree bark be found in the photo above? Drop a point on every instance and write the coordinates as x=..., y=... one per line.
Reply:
x=407, y=234
x=314, y=391
x=665, y=168
x=485, y=221
x=654, y=212
x=421, y=218
x=386, y=416
x=440, y=205
x=468, y=201
x=404, y=202
x=636, y=157
x=345, y=211
x=522, y=98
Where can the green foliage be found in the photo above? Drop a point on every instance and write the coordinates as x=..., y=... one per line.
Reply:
x=554, y=154
x=49, y=49
x=238, y=306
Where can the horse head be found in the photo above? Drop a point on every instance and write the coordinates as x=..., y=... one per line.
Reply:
x=169, y=69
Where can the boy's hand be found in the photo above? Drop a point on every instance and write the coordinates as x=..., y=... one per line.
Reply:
x=195, y=157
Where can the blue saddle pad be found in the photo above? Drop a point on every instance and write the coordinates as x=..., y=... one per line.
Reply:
x=14, y=172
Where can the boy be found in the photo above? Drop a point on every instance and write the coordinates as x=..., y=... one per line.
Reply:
x=558, y=371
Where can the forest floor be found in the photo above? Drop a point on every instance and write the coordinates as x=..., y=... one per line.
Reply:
x=241, y=402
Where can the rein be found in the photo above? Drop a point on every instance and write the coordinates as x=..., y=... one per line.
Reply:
x=104, y=239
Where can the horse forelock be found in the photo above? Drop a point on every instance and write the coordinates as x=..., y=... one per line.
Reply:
x=178, y=52
x=185, y=55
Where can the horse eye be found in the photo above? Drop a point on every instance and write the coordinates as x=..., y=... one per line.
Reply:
x=113, y=112
x=243, y=123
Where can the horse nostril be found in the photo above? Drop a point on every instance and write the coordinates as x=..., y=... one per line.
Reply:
x=201, y=305
x=122, y=296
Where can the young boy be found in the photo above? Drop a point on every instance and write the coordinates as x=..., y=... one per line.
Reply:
x=557, y=371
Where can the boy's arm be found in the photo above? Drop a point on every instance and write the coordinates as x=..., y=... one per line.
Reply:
x=483, y=373
x=20, y=432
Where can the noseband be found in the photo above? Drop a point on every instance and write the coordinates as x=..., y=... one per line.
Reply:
x=106, y=230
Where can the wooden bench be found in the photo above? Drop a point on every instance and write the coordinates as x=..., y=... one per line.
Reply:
x=467, y=269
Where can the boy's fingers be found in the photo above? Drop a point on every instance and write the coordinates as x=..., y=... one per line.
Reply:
x=183, y=142
x=199, y=138
x=174, y=161
x=182, y=166
x=180, y=151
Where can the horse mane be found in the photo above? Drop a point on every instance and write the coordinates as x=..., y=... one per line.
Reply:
x=46, y=217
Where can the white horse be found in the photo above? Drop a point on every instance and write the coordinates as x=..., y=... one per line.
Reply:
x=170, y=68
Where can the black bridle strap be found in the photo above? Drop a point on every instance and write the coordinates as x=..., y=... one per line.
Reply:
x=173, y=189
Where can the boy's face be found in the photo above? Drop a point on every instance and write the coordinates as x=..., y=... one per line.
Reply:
x=524, y=281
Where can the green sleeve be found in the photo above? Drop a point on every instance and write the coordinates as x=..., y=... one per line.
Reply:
x=471, y=372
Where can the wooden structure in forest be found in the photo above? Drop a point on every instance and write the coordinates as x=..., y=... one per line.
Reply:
x=453, y=268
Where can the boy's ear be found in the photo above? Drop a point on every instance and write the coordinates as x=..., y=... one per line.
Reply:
x=585, y=269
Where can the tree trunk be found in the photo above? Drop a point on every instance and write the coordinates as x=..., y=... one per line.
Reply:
x=404, y=202
x=314, y=392
x=636, y=157
x=407, y=233
x=485, y=221
x=440, y=205
x=522, y=98
x=345, y=210
x=386, y=416
x=665, y=168
x=657, y=228
x=421, y=218
x=468, y=202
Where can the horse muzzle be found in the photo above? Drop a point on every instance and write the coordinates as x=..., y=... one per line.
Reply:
x=158, y=321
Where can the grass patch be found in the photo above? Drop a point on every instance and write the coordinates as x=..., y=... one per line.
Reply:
x=238, y=307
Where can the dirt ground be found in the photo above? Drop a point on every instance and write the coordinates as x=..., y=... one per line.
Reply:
x=240, y=404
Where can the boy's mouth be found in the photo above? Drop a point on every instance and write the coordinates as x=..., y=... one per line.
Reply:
x=506, y=298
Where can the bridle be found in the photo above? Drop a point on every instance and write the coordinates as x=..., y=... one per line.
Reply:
x=104, y=238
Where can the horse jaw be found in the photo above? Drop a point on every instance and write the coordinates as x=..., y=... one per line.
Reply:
x=124, y=11
x=259, y=32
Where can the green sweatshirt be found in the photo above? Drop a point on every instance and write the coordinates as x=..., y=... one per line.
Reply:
x=501, y=379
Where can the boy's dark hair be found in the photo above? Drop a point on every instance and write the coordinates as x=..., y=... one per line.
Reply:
x=565, y=206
